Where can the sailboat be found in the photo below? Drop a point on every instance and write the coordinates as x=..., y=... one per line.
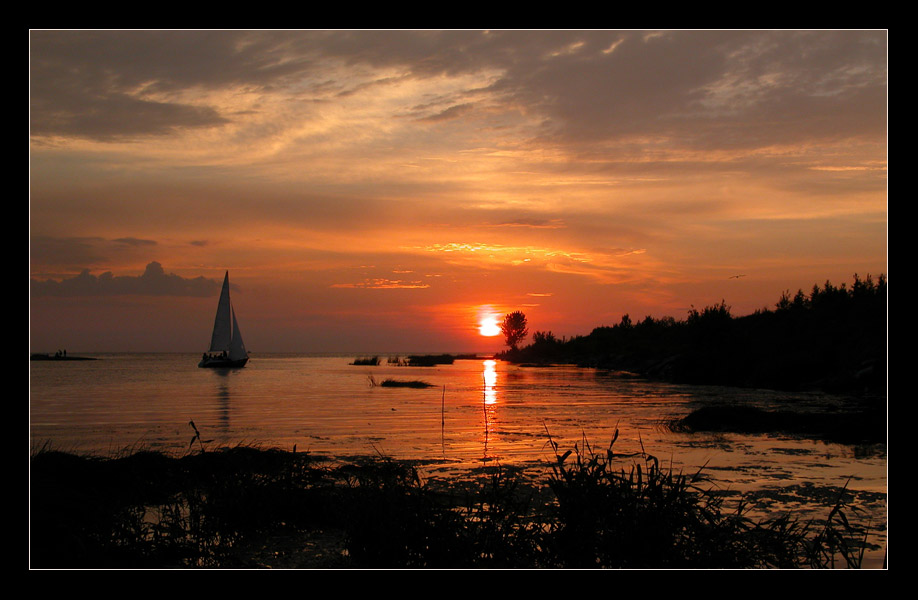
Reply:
x=227, y=349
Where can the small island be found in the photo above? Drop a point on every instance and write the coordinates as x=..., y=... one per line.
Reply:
x=57, y=356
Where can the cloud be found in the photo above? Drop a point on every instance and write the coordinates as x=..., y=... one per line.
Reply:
x=53, y=255
x=113, y=85
x=153, y=282
x=132, y=241
x=66, y=253
x=114, y=116
x=660, y=92
x=534, y=223
x=709, y=89
x=453, y=112
x=383, y=284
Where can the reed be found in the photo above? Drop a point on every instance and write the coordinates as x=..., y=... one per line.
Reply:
x=252, y=507
x=636, y=514
x=371, y=361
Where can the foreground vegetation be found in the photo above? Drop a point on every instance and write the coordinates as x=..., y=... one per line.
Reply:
x=833, y=339
x=247, y=508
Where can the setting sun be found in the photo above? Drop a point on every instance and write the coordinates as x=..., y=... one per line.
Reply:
x=488, y=326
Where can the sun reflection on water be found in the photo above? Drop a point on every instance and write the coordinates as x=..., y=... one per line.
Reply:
x=489, y=403
x=489, y=376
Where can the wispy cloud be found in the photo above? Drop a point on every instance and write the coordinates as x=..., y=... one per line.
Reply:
x=453, y=112
x=384, y=284
x=132, y=241
x=599, y=264
x=532, y=223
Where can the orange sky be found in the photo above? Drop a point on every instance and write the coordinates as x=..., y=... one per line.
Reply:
x=371, y=191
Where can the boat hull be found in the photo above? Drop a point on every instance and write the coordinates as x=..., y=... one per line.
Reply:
x=222, y=363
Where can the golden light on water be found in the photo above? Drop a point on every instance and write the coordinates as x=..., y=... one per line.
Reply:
x=489, y=375
x=489, y=391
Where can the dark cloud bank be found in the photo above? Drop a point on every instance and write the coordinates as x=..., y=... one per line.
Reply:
x=153, y=282
x=706, y=88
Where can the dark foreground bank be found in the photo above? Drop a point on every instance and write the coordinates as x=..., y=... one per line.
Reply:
x=253, y=508
x=865, y=424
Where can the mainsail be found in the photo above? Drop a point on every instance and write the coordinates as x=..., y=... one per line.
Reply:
x=223, y=333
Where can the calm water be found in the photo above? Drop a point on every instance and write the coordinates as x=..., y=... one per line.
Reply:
x=479, y=412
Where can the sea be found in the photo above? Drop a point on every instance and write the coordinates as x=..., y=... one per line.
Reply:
x=477, y=413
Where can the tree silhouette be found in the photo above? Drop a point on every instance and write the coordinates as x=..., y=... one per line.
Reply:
x=514, y=328
x=833, y=338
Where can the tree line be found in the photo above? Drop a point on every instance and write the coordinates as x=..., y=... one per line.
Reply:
x=832, y=338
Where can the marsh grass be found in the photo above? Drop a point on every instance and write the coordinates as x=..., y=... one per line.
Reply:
x=617, y=510
x=228, y=507
x=371, y=361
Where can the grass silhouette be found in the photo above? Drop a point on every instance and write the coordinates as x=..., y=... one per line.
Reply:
x=245, y=507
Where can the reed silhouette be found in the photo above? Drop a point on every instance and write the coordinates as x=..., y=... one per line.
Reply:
x=371, y=361
x=246, y=507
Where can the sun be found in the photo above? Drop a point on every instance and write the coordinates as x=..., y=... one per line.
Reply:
x=488, y=326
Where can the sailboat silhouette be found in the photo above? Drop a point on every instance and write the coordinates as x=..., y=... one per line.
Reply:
x=226, y=345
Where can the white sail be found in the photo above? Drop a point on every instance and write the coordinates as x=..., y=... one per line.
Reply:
x=223, y=333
